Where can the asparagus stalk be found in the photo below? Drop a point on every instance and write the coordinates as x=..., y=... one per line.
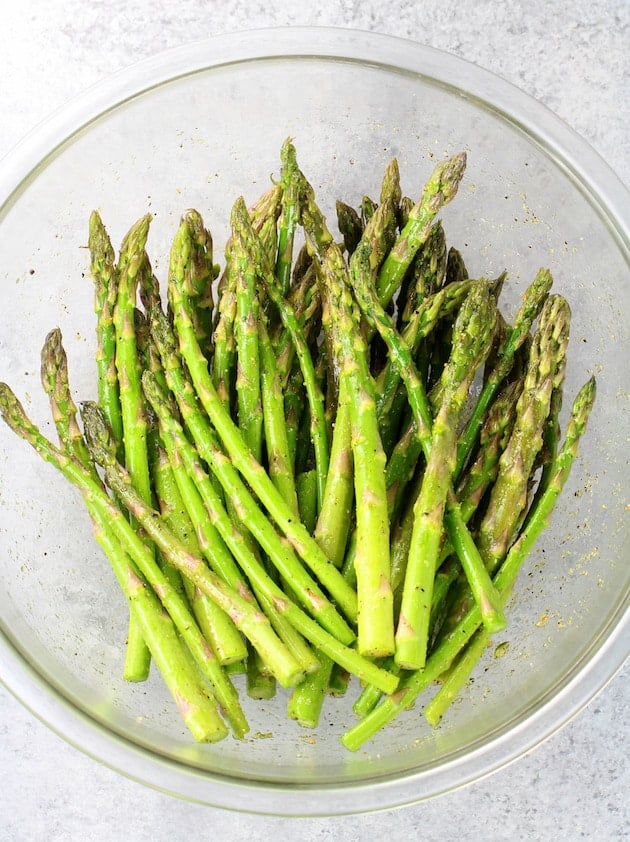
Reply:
x=198, y=711
x=54, y=377
x=482, y=473
x=223, y=338
x=456, y=270
x=251, y=621
x=457, y=676
x=215, y=529
x=471, y=333
x=132, y=258
x=545, y=374
x=438, y=191
x=200, y=276
x=350, y=225
x=424, y=275
x=224, y=343
x=424, y=320
x=250, y=468
x=197, y=708
x=368, y=208
x=216, y=626
x=131, y=263
x=306, y=489
x=372, y=561
x=294, y=401
x=102, y=508
x=287, y=221
x=250, y=564
x=248, y=391
x=333, y=523
x=531, y=305
x=104, y=276
x=362, y=269
x=236, y=363
x=448, y=649
x=274, y=422
x=248, y=245
x=537, y=520
x=279, y=552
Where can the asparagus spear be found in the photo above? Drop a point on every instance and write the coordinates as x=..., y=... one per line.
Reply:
x=306, y=489
x=482, y=473
x=248, y=394
x=545, y=373
x=252, y=623
x=537, y=520
x=274, y=422
x=157, y=629
x=471, y=333
x=250, y=468
x=438, y=191
x=279, y=552
x=109, y=517
x=131, y=263
x=421, y=323
x=372, y=562
x=203, y=504
x=531, y=305
x=362, y=268
x=264, y=585
x=236, y=364
x=334, y=520
x=350, y=225
x=103, y=270
x=425, y=273
x=54, y=377
x=288, y=219
x=132, y=258
x=456, y=270
x=200, y=276
x=223, y=341
x=294, y=406
x=248, y=245
x=448, y=649
x=216, y=626
x=197, y=708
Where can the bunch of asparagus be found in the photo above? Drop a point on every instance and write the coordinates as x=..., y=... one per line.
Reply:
x=331, y=463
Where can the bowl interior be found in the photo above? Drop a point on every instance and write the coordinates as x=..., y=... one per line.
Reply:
x=200, y=140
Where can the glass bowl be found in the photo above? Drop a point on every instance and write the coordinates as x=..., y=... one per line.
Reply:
x=196, y=127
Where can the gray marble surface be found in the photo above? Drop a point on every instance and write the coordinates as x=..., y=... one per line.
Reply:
x=571, y=55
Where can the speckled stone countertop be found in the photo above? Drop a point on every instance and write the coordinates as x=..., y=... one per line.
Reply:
x=573, y=56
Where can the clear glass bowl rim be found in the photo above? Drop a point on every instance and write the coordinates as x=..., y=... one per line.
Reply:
x=605, y=190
